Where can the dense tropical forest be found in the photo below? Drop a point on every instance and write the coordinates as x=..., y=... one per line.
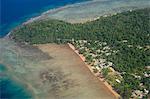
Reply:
x=128, y=33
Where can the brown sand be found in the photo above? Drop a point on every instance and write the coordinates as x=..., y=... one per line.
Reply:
x=84, y=84
x=109, y=87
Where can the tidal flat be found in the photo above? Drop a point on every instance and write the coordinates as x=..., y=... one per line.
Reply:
x=51, y=71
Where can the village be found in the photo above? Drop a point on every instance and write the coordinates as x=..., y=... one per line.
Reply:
x=94, y=54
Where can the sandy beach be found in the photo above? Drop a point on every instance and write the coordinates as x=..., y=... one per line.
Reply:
x=100, y=79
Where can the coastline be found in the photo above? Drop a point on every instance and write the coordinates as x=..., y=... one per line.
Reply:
x=79, y=81
x=85, y=79
x=108, y=86
x=65, y=10
x=44, y=15
x=30, y=14
x=54, y=10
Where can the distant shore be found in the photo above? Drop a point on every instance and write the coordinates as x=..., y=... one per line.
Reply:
x=109, y=87
x=44, y=15
x=55, y=10
x=87, y=11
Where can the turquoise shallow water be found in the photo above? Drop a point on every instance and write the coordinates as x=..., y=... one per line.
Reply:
x=11, y=89
x=2, y=68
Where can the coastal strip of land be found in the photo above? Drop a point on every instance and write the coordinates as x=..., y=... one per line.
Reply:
x=109, y=87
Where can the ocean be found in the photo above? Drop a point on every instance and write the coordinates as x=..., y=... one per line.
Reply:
x=14, y=12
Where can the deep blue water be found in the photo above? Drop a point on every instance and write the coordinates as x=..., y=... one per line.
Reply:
x=14, y=12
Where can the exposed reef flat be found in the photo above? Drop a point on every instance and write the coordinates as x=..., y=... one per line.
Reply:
x=50, y=70
x=91, y=10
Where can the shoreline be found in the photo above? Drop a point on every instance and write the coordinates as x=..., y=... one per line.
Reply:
x=44, y=14
x=108, y=86
x=54, y=11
